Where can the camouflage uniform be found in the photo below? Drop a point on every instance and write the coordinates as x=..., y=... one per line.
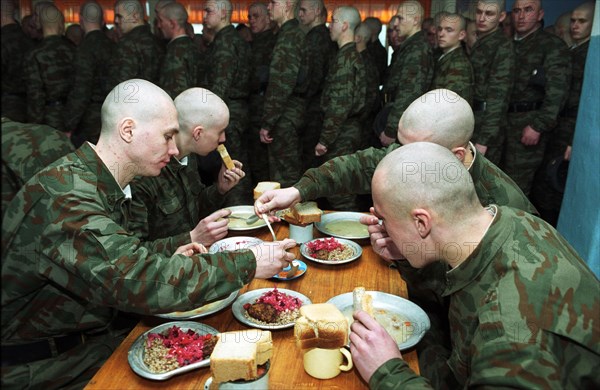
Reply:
x=285, y=103
x=26, y=150
x=139, y=55
x=172, y=204
x=229, y=78
x=453, y=71
x=409, y=77
x=321, y=53
x=65, y=238
x=542, y=79
x=48, y=71
x=343, y=101
x=181, y=66
x=14, y=46
x=260, y=57
x=380, y=58
x=508, y=320
x=493, y=61
x=90, y=87
x=373, y=102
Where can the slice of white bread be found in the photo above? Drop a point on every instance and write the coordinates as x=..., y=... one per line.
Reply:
x=307, y=212
x=264, y=186
x=321, y=325
x=237, y=354
x=362, y=300
x=225, y=156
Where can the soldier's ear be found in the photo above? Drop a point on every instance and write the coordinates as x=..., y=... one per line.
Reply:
x=197, y=132
x=462, y=35
x=422, y=222
x=125, y=129
x=502, y=16
x=460, y=152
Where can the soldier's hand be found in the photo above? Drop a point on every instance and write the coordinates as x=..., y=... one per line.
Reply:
x=481, y=148
x=567, y=155
x=191, y=249
x=530, y=136
x=211, y=228
x=229, y=178
x=265, y=138
x=320, y=149
x=272, y=257
x=274, y=200
x=380, y=240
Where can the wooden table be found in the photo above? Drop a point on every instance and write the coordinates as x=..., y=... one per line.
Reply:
x=319, y=283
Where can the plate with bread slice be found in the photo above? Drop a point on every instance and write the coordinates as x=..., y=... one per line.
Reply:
x=331, y=250
x=269, y=308
x=404, y=321
x=343, y=224
x=202, y=311
x=159, y=354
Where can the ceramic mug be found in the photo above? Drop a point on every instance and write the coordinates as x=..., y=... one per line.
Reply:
x=260, y=383
x=301, y=234
x=326, y=363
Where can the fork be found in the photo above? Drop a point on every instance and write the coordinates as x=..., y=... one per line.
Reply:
x=266, y=219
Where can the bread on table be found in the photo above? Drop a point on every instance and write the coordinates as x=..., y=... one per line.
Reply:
x=362, y=300
x=225, y=156
x=265, y=186
x=307, y=212
x=321, y=325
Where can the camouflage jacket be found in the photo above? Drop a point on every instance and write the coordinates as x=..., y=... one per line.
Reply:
x=139, y=55
x=321, y=54
x=14, y=46
x=493, y=60
x=508, y=318
x=228, y=61
x=91, y=83
x=578, y=58
x=408, y=78
x=171, y=205
x=48, y=72
x=380, y=58
x=543, y=74
x=352, y=174
x=181, y=66
x=453, y=71
x=65, y=238
x=285, y=73
x=344, y=96
x=373, y=101
x=260, y=58
x=26, y=150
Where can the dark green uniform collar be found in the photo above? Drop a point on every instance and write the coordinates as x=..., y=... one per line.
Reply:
x=262, y=34
x=225, y=30
x=290, y=24
x=418, y=35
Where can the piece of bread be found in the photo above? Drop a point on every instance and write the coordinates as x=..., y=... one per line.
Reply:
x=362, y=300
x=264, y=186
x=237, y=354
x=307, y=212
x=225, y=156
x=321, y=325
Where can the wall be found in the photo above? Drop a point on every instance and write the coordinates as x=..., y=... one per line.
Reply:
x=579, y=219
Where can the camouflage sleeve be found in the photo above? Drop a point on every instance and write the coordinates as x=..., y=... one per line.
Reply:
x=395, y=374
x=125, y=63
x=222, y=72
x=36, y=98
x=350, y=174
x=178, y=72
x=557, y=67
x=211, y=200
x=81, y=94
x=500, y=84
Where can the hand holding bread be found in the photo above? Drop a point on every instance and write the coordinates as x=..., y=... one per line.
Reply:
x=274, y=200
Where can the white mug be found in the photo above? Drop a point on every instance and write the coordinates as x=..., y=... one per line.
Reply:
x=326, y=363
x=301, y=234
x=260, y=383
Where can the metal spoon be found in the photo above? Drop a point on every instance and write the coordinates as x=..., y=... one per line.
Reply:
x=266, y=219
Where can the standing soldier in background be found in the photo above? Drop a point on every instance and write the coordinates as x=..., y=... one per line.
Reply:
x=378, y=52
x=453, y=70
x=263, y=42
x=285, y=103
x=493, y=60
x=139, y=53
x=48, y=71
x=562, y=28
x=321, y=50
x=90, y=83
x=158, y=33
x=14, y=45
x=543, y=75
x=181, y=67
x=229, y=77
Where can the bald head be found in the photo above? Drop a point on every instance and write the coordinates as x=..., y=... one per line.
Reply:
x=349, y=15
x=176, y=12
x=363, y=31
x=200, y=106
x=52, y=20
x=439, y=116
x=91, y=13
x=412, y=8
x=582, y=20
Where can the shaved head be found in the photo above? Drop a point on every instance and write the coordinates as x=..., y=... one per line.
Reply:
x=176, y=12
x=439, y=116
x=364, y=31
x=412, y=8
x=349, y=15
x=200, y=106
x=91, y=12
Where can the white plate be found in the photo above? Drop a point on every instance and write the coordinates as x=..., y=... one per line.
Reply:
x=202, y=311
x=402, y=309
x=234, y=243
x=251, y=296
x=345, y=224
x=135, y=355
x=357, y=249
x=301, y=271
x=244, y=212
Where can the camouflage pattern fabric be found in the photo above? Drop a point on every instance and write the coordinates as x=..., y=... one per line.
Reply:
x=171, y=205
x=493, y=60
x=453, y=71
x=408, y=78
x=380, y=58
x=14, y=46
x=139, y=55
x=543, y=75
x=90, y=86
x=285, y=103
x=181, y=66
x=48, y=70
x=508, y=322
x=26, y=150
x=65, y=237
x=373, y=102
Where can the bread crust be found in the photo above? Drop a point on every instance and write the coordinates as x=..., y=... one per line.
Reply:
x=225, y=156
x=264, y=186
x=323, y=326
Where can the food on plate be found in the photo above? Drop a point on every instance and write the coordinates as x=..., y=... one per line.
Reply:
x=346, y=228
x=176, y=348
x=238, y=355
x=225, y=156
x=321, y=325
x=398, y=326
x=273, y=308
x=362, y=300
x=329, y=249
x=265, y=186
